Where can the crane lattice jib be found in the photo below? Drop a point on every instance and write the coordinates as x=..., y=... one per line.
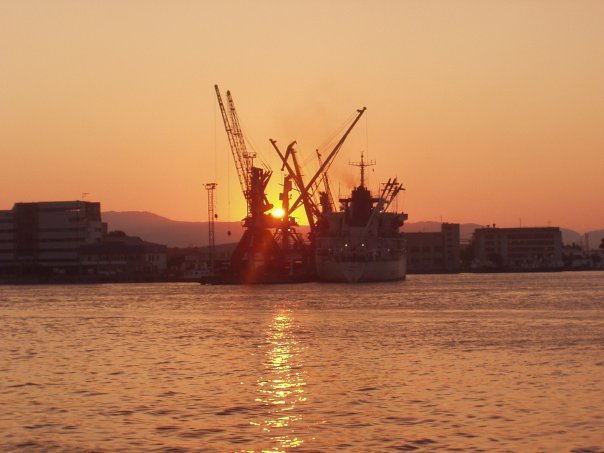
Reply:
x=241, y=165
x=246, y=156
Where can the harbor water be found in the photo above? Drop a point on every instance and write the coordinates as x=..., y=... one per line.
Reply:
x=468, y=362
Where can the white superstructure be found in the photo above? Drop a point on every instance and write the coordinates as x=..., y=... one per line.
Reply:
x=362, y=242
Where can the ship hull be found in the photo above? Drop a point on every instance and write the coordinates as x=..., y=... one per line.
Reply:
x=329, y=270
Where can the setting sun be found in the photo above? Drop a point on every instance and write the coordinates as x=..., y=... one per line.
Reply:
x=278, y=213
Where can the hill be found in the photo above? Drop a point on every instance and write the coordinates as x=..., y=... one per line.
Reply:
x=154, y=228
x=595, y=238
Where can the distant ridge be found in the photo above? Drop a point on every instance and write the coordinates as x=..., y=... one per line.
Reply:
x=154, y=228
x=173, y=233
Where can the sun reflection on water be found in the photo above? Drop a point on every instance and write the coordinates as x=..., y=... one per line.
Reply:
x=282, y=388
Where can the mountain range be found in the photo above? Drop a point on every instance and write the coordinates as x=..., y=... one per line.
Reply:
x=173, y=233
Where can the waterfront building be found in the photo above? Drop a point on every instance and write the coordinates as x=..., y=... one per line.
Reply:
x=575, y=257
x=45, y=237
x=124, y=257
x=516, y=249
x=7, y=236
x=434, y=252
x=193, y=263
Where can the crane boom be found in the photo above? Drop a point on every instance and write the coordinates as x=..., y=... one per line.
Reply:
x=328, y=161
x=326, y=183
x=295, y=173
x=243, y=160
x=246, y=156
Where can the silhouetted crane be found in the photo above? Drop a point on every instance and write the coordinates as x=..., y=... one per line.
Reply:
x=307, y=190
x=270, y=249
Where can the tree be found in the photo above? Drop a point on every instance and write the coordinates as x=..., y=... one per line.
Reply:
x=116, y=234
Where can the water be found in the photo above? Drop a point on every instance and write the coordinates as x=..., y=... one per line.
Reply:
x=509, y=362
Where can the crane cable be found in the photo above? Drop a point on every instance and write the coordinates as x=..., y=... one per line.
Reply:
x=327, y=144
x=334, y=137
x=252, y=145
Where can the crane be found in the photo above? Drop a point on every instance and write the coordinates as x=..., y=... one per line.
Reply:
x=261, y=255
x=295, y=174
x=253, y=180
x=306, y=191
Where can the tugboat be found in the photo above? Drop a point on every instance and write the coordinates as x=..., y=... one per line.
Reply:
x=361, y=242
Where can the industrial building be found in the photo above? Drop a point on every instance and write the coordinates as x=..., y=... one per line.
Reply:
x=517, y=249
x=67, y=241
x=45, y=237
x=123, y=257
x=194, y=263
x=434, y=252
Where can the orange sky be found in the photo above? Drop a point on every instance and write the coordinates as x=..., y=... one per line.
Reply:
x=488, y=111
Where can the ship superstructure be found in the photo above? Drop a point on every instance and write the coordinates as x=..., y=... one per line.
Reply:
x=362, y=242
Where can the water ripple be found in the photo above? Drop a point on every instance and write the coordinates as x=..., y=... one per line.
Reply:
x=436, y=363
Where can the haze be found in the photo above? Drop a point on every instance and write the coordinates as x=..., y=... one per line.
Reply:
x=489, y=112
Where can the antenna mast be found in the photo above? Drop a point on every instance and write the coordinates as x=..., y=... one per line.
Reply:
x=363, y=164
x=210, y=187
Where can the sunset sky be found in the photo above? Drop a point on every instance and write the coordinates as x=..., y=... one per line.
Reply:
x=487, y=111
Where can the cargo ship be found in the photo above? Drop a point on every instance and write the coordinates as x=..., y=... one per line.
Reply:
x=362, y=242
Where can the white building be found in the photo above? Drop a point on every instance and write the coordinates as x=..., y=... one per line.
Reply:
x=535, y=248
x=48, y=234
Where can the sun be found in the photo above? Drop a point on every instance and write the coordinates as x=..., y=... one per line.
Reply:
x=278, y=213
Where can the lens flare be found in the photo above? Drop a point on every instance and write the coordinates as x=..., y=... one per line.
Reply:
x=278, y=213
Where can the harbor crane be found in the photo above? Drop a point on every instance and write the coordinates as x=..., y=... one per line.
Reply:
x=307, y=190
x=270, y=249
x=253, y=180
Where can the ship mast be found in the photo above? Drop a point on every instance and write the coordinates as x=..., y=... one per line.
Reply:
x=362, y=164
